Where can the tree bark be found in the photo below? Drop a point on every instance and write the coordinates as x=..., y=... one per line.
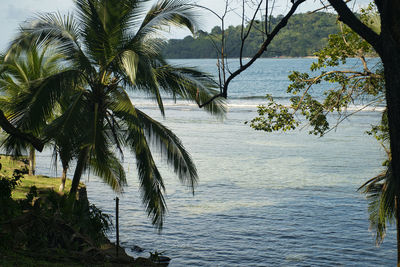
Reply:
x=63, y=179
x=32, y=160
x=65, y=165
x=80, y=166
x=390, y=56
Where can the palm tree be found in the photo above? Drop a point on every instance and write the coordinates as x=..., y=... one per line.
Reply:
x=18, y=73
x=110, y=50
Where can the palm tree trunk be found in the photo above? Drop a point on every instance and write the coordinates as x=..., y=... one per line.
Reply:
x=63, y=179
x=32, y=160
x=64, y=163
x=80, y=166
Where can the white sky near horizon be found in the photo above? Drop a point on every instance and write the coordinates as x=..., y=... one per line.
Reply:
x=14, y=12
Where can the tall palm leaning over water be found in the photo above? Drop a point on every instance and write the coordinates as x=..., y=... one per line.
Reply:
x=17, y=74
x=110, y=50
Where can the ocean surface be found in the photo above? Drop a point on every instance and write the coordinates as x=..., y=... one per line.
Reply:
x=263, y=199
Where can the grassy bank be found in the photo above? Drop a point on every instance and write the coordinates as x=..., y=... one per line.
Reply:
x=43, y=183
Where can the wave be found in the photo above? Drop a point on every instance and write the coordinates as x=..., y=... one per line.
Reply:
x=366, y=108
x=256, y=97
x=235, y=97
x=243, y=103
x=248, y=97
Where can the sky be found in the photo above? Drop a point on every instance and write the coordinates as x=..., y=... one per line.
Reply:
x=14, y=12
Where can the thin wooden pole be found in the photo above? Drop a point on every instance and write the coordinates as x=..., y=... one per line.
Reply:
x=117, y=222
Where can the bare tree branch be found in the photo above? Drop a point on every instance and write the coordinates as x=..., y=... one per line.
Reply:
x=222, y=63
x=246, y=35
x=263, y=47
x=348, y=17
x=323, y=7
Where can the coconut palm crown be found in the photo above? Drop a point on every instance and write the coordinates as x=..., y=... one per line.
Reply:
x=17, y=74
x=110, y=49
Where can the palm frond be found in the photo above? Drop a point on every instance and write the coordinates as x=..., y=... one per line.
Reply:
x=68, y=126
x=130, y=62
x=190, y=84
x=146, y=80
x=167, y=13
x=105, y=26
x=151, y=182
x=14, y=146
x=380, y=192
x=93, y=32
x=61, y=31
x=34, y=109
x=140, y=127
x=171, y=146
x=110, y=170
x=162, y=138
x=121, y=102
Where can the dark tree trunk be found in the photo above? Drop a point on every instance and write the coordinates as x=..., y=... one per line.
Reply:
x=32, y=161
x=390, y=55
x=391, y=63
x=80, y=166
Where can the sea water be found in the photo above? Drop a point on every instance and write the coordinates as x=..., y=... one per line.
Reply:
x=263, y=199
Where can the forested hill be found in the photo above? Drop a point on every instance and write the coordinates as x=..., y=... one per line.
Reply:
x=304, y=35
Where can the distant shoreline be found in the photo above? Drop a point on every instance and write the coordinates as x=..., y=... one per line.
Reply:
x=245, y=58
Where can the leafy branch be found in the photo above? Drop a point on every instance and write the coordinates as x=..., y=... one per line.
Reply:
x=353, y=86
